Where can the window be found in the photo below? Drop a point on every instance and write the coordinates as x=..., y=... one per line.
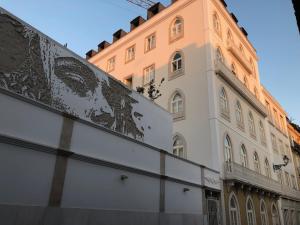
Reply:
x=150, y=42
x=234, y=212
x=275, y=117
x=179, y=146
x=282, y=123
x=275, y=215
x=176, y=63
x=239, y=115
x=111, y=63
x=244, y=159
x=227, y=150
x=229, y=38
x=242, y=49
x=149, y=74
x=128, y=81
x=219, y=55
x=267, y=168
x=250, y=212
x=286, y=216
x=269, y=110
x=263, y=213
x=262, y=133
x=287, y=179
x=217, y=24
x=130, y=54
x=224, y=103
x=274, y=142
x=176, y=30
x=256, y=162
x=251, y=125
x=233, y=69
x=177, y=105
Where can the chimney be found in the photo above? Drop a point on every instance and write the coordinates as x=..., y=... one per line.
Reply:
x=155, y=9
x=234, y=17
x=136, y=22
x=244, y=31
x=173, y=1
x=119, y=34
x=103, y=45
x=90, y=54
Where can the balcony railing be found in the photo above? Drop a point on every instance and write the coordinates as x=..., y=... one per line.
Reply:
x=234, y=82
x=239, y=173
x=240, y=56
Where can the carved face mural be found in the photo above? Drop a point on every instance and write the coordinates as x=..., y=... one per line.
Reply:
x=38, y=68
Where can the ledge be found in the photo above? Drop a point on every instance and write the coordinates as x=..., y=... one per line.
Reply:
x=237, y=85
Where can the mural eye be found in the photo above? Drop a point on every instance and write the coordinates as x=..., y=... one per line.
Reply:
x=77, y=76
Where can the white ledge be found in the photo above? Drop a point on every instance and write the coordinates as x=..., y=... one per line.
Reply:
x=237, y=85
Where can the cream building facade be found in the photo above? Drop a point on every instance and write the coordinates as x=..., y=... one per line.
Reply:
x=220, y=113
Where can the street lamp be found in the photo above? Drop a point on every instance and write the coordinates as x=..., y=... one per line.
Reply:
x=285, y=162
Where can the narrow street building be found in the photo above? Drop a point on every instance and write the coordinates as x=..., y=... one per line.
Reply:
x=223, y=117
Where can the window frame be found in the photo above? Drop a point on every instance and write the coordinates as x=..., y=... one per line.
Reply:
x=239, y=111
x=178, y=136
x=234, y=210
x=244, y=156
x=263, y=213
x=256, y=162
x=217, y=21
x=179, y=115
x=127, y=60
x=108, y=67
x=179, y=72
x=144, y=74
x=149, y=48
x=250, y=211
x=251, y=125
x=173, y=38
x=223, y=98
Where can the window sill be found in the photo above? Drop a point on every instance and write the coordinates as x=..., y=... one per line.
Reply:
x=174, y=75
x=178, y=117
x=173, y=39
x=226, y=116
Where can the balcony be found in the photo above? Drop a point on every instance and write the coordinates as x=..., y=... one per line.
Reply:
x=236, y=172
x=223, y=71
x=240, y=56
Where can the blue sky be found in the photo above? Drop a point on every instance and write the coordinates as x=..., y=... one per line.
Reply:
x=271, y=25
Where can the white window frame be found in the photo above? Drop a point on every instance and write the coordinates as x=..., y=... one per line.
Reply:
x=263, y=213
x=256, y=162
x=224, y=103
x=239, y=115
x=251, y=125
x=176, y=29
x=149, y=74
x=244, y=157
x=178, y=63
x=130, y=54
x=251, y=219
x=150, y=42
x=111, y=64
x=267, y=168
x=234, y=212
x=179, y=149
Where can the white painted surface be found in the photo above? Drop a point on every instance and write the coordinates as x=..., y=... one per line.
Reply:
x=25, y=176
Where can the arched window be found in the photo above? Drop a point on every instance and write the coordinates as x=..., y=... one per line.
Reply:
x=251, y=125
x=179, y=146
x=242, y=49
x=267, y=168
x=250, y=212
x=176, y=29
x=256, y=93
x=234, y=212
x=256, y=162
x=275, y=215
x=177, y=105
x=219, y=55
x=262, y=132
x=224, y=106
x=233, y=69
x=239, y=115
x=217, y=24
x=244, y=159
x=228, y=152
x=176, y=64
x=229, y=38
x=263, y=213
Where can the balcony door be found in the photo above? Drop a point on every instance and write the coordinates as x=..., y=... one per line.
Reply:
x=213, y=206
